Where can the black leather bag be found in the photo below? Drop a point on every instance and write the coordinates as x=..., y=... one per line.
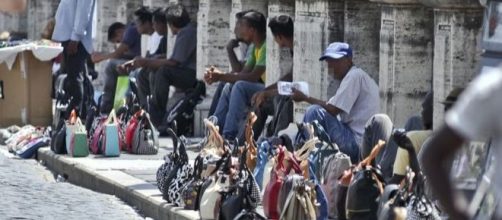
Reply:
x=363, y=194
x=244, y=195
x=192, y=190
x=58, y=143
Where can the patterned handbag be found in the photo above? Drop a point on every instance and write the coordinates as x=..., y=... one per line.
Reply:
x=182, y=174
x=145, y=139
x=192, y=190
x=170, y=161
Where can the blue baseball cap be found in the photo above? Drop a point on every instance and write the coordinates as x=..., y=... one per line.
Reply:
x=337, y=50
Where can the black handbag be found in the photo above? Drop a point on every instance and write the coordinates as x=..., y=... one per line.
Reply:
x=363, y=194
x=171, y=160
x=244, y=195
x=58, y=143
x=192, y=190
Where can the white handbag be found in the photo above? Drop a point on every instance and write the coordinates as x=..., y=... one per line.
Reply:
x=211, y=195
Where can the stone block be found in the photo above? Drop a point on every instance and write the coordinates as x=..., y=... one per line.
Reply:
x=279, y=60
x=457, y=52
x=317, y=23
x=406, y=42
x=361, y=31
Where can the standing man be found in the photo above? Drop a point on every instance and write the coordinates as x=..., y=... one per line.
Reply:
x=74, y=30
x=345, y=114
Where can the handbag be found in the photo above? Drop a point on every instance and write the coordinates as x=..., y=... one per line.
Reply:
x=145, y=139
x=170, y=161
x=96, y=134
x=299, y=199
x=130, y=130
x=58, y=139
x=76, y=139
x=265, y=164
x=30, y=149
x=180, y=176
x=272, y=190
x=191, y=190
x=212, y=188
x=365, y=188
x=244, y=195
x=213, y=149
x=251, y=148
x=110, y=143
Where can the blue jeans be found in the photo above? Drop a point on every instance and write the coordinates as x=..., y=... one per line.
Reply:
x=232, y=109
x=338, y=131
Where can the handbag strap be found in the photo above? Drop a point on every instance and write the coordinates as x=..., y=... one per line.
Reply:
x=182, y=150
x=112, y=117
x=171, y=133
x=323, y=136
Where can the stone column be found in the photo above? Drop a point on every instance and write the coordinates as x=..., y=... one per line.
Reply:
x=39, y=14
x=212, y=35
x=406, y=43
x=457, y=34
x=278, y=60
x=14, y=22
x=317, y=23
x=361, y=31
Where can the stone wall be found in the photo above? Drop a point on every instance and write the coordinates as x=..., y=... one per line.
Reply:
x=408, y=46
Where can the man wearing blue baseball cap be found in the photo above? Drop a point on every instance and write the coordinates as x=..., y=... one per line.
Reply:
x=356, y=100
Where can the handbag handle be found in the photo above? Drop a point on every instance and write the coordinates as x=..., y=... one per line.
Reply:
x=73, y=117
x=171, y=133
x=182, y=150
x=323, y=136
x=112, y=117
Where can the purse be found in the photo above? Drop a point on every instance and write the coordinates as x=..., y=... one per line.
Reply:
x=180, y=175
x=272, y=190
x=170, y=161
x=251, y=148
x=130, y=130
x=145, y=139
x=76, y=139
x=96, y=134
x=244, y=195
x=298, y=199
x=110, y=143
x=211, y=196
x=192, y=190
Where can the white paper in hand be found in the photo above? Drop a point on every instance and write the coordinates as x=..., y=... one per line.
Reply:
x=285, y=88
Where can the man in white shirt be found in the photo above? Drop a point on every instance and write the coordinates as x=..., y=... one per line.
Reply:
x=475, y=117
x=345, y=115
x=74, y=30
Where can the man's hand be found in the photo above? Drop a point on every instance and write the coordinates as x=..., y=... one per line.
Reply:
x=259, y=98
x=298, y=96
x=125, y=67
x=140, y=62
x=233, y=43
x=212, y=75
x=72, y=47
x=98, y=57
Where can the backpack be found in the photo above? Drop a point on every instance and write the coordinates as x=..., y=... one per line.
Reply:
x=180, y=117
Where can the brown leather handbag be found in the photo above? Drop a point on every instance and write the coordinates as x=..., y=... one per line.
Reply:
x=252, y=150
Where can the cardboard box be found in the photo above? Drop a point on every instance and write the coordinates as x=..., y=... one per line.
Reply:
x=25, y=93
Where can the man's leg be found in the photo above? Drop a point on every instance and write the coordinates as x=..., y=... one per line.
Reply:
x=111, y=75
x=283, y=113
x=74, y=67
x=240, y=100
x=414, y=124
x=164, y=78
x=339, y=132
x=222, y=108
x=262, y=114
x=143, y=85
x=378, y=127
x=216, y=98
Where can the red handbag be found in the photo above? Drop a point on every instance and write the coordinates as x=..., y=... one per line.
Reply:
x=131, y=127
x=273, y=188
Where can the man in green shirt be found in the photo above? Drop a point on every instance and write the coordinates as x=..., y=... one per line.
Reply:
x=231, y=110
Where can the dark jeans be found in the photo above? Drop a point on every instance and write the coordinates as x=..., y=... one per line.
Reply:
x=145, y=83
x=111, y=75
x=74, y=67
x=179, y=77
x=281, y=108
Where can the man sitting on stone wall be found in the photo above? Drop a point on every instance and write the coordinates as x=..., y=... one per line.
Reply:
x=269, y=102
x=231, y=111
x=344, y=116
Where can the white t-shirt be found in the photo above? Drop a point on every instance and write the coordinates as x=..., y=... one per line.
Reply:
x=476, y=115
x=358, y=97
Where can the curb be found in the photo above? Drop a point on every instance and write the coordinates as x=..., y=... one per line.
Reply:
x=138, y=193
